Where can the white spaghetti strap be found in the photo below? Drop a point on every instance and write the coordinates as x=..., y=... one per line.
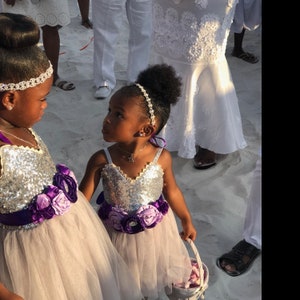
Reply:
x=157, y=155
x=107, y=155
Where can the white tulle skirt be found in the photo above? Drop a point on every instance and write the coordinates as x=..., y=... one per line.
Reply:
x=156, y=257
x=69, y=257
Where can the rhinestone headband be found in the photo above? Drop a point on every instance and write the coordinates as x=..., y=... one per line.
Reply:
x=149, y=103
x=32, y=82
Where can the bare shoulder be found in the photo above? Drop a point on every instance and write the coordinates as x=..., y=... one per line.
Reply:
x=98, y=159
x=165, y=158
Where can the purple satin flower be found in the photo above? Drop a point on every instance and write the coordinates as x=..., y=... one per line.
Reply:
x=115, y=216
x=60, y=203
x=104, y=210
x=42, y=201
x=149, y=216
x=41, y=208
x=131, y=224
x=67, y=184
x=161, y=204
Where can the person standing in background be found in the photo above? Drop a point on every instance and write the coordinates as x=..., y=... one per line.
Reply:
x=84, y=7
x=240, y=258
x=107, y=22
x=247, y=17
x=192, y=37
x=50, y=15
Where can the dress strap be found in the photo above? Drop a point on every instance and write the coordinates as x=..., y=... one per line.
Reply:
x=108, y=155
x=4, y=139
x=157, y=155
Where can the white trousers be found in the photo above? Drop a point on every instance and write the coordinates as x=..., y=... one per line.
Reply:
x=252, y=224
x=107, y=21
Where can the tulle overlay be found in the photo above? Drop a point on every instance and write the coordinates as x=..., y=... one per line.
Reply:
x=157, y=257
x=33, y=262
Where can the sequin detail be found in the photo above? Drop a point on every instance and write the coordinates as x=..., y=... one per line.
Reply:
x=127, y=193
x=25, y=173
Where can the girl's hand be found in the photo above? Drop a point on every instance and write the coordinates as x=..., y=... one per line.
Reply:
x=189, y=231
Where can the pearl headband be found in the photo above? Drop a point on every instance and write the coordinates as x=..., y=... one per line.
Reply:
x=149, y=103
x=32, y=82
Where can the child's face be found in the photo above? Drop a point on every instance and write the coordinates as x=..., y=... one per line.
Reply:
x=124, y=119
x=29, y=105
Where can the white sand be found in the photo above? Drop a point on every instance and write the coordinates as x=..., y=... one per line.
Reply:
x=217, y=197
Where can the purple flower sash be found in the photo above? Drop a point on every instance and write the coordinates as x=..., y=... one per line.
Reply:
x=55, y=200
x=146, y=217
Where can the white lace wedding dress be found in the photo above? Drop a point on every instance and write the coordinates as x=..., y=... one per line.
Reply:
x=191, y=35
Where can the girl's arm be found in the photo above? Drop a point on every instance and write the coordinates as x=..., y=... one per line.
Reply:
x=6, y=294
x=174, y=196
x=92, y=175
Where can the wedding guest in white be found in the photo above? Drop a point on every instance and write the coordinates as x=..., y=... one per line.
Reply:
x=240, y=258
x=192, y=36
x=107, y=18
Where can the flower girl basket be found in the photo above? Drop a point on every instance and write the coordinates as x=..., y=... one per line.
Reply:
x=198, y=282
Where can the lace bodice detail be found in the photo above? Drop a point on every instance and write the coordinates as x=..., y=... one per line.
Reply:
x=192, y=30
x=24, y=173
x=129, y=193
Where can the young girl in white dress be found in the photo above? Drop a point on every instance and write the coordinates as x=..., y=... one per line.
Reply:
x=52, y=243
x=140, y=192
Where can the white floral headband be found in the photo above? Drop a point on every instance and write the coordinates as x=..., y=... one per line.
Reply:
x=32, y=82
x=149, y=103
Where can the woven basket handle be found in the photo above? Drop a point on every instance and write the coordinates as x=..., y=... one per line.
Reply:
x=198, y=259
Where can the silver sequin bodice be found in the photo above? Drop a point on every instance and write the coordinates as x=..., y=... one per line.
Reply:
x=25, y=173
x=130, y=193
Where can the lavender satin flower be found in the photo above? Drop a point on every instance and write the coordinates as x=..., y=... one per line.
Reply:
x=41, y=208
x=149, y=216
x=60, y=203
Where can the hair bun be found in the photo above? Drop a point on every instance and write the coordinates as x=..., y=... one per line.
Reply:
x=161, y=82
x=18, y=31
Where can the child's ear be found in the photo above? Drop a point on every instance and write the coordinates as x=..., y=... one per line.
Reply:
x=147, y=130
x=8, y=100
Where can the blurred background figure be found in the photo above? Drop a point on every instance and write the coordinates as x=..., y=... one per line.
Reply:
x=192, y=36
x=247, y=17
